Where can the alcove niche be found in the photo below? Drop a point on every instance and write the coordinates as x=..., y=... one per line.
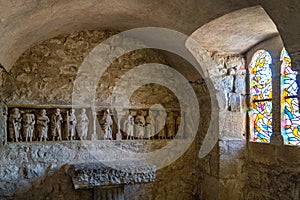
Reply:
x=43, y=78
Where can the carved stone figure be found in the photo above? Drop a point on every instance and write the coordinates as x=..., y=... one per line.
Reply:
x=71, y=123
x=42, y=121
x=150, y=132
x=170, y=123
x=28, y=126
x=56, y=120
x=160, y=122
x=129, y=127
x=140, y=124
x=15, y=125
x=108, y=122
x=83, y=125
x=178, y=121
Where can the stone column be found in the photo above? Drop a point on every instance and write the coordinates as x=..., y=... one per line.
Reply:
x=94, y=133
x=3, y=125
x=276, y=138
x=120, y=113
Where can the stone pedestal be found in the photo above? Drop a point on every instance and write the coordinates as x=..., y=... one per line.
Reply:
x=108, y=179
x=109, y=193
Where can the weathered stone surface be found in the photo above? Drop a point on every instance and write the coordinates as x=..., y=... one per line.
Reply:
x=240, y=84
x=28, y=163
x=257, y=149
x=211, y=188
x=24, y=23
x=292, y=152
x=272, y=181
x=90, y=175
x=3, y=126
x=54, y=63
x=223, y=83
x=235, y=102
x=222, y=100
x=232, y=124
x=217, y=72
x=229, y=185
x=46, y=76
x=235, y=62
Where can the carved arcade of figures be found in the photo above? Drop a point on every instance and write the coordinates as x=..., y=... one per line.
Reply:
x=83, y=125
x=42, y=125
x=56, y=121
x=28, y=126
x=71, y=124
x=15, y=125
x=139, y=124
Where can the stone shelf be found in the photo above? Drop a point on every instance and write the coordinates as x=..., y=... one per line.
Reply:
x=90, y=175
x=108, y=178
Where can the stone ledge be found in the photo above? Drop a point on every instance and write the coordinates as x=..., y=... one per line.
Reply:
x=91, y=175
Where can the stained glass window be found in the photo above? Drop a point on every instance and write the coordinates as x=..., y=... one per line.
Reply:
x=261, y=97
x=289, y=101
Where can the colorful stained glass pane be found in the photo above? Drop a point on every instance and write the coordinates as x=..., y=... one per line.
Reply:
x=261, y=95
x=289, y=103
x=261, y=76
x=261, y=121
x=291, y=122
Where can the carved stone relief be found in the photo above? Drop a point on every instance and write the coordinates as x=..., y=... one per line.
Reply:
x=58, y=123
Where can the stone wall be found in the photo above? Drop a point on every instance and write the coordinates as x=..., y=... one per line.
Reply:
x=273, y=172
x=226, y=171
x=45, y=75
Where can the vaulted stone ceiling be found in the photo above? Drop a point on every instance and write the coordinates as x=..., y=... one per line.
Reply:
x=24, y=23
x=236, y=32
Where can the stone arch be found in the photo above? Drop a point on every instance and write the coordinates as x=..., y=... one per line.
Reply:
x=227, y=39
x=230, y=40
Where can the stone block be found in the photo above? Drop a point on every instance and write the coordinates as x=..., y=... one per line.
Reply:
x=254, y=177
x=232, y=124
x=90, y=175
x=229, y=167
x=224, y=84
x=257, y=194
x=231, y=71
x=211, y=187
x=235, y=102
x=235, y=62
x=223, y=147
x=288, y=154
x=215, y=72
x=261, y=153
x=219, y=60
x=232, y=189
x=240, y=84
x=241, y=72
x=237, y=147
x=222, y=100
